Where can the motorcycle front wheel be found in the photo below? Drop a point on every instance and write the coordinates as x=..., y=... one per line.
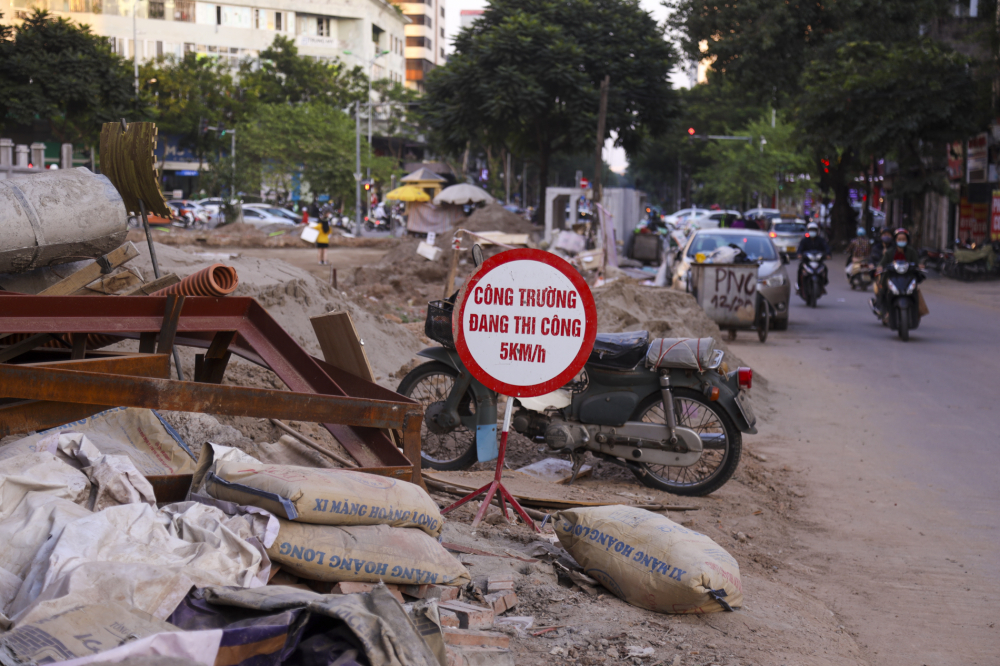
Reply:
x=716, y=465
x=430, y=384
x=903, y=325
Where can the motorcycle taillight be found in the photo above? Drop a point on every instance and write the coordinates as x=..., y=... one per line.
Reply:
x=744, y=377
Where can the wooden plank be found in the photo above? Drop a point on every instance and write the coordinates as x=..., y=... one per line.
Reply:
x=154, y=286
x=342, y=346
x=111, y=284
x=80, y=279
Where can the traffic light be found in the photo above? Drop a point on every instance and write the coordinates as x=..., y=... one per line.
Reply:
x=203, y=126
x=368, y=185
x=222, y=129
x=691, y=131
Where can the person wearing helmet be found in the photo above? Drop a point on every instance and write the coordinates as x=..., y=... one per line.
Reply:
x=859, y=248
x=901, y=250
x=813, y=241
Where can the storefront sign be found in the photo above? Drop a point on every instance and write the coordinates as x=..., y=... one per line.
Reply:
x=978, y=151
x=995, y=217
x=956, y=161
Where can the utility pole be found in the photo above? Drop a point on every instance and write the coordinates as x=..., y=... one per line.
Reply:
x=601, y=117
x=762, y=142
x=358, y=229
x=135, y=47
x=506, y=177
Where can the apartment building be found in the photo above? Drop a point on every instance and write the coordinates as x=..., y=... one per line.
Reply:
x=425, y=40
x=353, y=31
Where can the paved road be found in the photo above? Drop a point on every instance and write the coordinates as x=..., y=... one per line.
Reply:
x=900, y=444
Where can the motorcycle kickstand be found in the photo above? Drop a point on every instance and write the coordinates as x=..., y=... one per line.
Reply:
x=578, y=460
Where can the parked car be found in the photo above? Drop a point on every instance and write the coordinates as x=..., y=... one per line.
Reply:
x=260, y=217
x=278, y=211
x=713, y=219
x=786, y=234
x=679, y=216
x=772, y=276
x=762, y=212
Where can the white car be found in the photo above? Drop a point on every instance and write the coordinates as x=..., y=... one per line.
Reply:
x=261, y=218
x=762, y=212
x=684, y=213
x=713, y=219
x=277, y=211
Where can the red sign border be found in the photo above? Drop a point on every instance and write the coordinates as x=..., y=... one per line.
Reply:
x=590, y=333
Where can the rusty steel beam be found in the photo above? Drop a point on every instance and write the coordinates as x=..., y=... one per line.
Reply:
x=259, y=339
x=24, y=416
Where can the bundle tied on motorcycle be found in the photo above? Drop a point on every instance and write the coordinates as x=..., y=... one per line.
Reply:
x=650, y=561
x=365, y=554
x=322, y=496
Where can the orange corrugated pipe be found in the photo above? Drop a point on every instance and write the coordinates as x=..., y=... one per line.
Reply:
x=216, y=280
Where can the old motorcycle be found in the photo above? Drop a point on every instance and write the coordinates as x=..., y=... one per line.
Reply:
x=667, y=409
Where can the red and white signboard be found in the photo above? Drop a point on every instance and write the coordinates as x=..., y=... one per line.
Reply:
x=526, y=323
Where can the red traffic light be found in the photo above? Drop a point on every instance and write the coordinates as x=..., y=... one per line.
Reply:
x=691, y=131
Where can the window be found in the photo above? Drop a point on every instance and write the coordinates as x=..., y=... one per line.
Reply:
x=442, y=54
x=256, y=19
x=415, y=41
x=419, y=19
x=442, y=12
x=218, y=15
x=756, y=247
x=323, y=27
x=442, y=33
x=159, y=49
x=184, y=10
x=156, y=10
x=277, y=21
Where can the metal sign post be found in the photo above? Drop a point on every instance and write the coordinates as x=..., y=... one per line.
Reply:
x=525, y=326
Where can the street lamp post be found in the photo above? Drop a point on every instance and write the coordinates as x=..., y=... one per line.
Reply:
x=135, y=46
x=359, y=229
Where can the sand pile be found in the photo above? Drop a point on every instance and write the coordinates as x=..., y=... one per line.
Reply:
x=625, y=305
x=246, y=235
x=494, y=217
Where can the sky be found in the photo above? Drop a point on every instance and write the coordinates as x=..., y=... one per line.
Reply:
x=615, y=157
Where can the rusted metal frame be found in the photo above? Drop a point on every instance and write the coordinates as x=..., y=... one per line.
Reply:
x=79, y=347
x=24, y=416
x=261, y=340
x=171, y=317
x=26, y=345
x=49, y=383
x=211, y=366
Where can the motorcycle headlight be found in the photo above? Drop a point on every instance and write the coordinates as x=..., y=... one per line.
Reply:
x=776, y=280
x=893, y=288
x=912, y=287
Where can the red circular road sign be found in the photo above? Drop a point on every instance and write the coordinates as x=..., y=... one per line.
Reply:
x=525, y=323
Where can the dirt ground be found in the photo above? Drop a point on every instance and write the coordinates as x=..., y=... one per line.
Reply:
x=783, y=516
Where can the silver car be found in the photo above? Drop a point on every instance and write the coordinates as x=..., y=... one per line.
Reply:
x=787, y=234
x=772, y=277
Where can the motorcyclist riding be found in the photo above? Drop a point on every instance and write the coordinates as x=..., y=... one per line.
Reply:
x=901, y=251
x=878, y=249
x=812, y=242
x=859, y=248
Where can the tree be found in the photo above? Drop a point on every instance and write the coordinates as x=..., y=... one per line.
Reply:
x=58, y=72
x=396, y=114
x=282, y=75
x=740, y=169
x=874, y=99
x=526, y=78
x=313, y=140
x=181, y=93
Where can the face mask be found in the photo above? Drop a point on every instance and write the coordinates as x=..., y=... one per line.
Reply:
x=900, y=243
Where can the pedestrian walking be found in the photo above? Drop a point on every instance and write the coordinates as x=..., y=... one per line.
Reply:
x=323, y=239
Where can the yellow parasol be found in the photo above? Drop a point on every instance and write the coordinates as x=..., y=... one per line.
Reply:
x=408, y=193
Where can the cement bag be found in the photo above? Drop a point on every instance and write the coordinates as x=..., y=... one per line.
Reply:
x=139, y=434
x=365, y=554
x=650, y=561
x=326, y=496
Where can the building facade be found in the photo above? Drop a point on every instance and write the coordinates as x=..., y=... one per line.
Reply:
x=425, y=39
x=352, y=31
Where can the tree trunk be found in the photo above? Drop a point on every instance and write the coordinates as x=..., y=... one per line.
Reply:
x=842, y=216
x=543, y=182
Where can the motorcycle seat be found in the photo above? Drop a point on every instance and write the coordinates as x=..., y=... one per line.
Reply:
x=619, y=350
x=683, y=353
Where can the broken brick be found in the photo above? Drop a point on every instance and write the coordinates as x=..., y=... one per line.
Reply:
x=345, y=587
x=501, y=602
x=448, y=619
x=500, y=583
x=439, y=592
x=453, y=636
x=462, y=655
x=469, y=616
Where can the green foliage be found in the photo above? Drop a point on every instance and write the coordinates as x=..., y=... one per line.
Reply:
x=180, y=92
x=739, y=169
x=56, y=71
x=282, y=75
x=313, y=139
x=396, y=114
x=526, y=77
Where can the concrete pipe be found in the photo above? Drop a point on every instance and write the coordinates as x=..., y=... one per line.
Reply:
x=56, y=217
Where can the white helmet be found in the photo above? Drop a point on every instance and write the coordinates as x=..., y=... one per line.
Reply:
x=812, y=226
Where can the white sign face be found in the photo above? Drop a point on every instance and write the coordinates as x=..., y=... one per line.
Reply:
x=524, y=325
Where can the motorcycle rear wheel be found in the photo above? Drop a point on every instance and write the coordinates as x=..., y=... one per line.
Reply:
x=428, y=384
x=715, y=467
